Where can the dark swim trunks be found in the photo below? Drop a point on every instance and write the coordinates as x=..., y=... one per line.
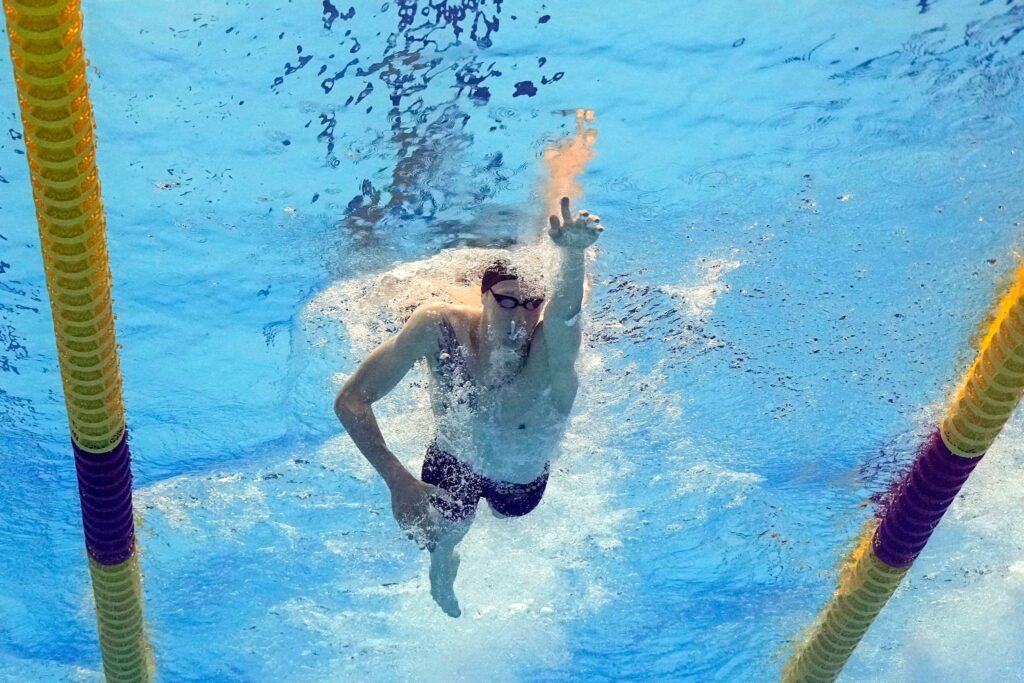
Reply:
x=466, y=488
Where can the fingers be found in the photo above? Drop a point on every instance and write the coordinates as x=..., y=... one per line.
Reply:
x=555, y=223
x=422, y=531
x=590, y=221
x=582, y=216
x=420, y=540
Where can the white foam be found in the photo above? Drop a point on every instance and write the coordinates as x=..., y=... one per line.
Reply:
x=362, y=607
x=521, y=581
x=697, y=300
x=717, y=487
x=18, y=669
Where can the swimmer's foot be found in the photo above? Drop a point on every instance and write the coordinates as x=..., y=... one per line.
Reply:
x=443, y=570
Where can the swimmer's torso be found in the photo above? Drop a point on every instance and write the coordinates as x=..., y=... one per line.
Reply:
x=503, y=419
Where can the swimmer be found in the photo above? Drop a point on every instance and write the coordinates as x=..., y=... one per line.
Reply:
x=503, y=381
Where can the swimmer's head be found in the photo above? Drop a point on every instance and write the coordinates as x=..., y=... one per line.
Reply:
x=511, y=310
x=497, y=271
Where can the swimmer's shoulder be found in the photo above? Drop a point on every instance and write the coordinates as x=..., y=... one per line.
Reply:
x=458, y=315
x=437, y=311
x=427, y=320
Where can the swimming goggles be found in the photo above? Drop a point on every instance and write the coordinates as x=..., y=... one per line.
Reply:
x=510, y=302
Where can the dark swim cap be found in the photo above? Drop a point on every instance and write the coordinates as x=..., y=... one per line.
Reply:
x=498, y=271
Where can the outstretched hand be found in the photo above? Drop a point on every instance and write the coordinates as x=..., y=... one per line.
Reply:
x=577, y=232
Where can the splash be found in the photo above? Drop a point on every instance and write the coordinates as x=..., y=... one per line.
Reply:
x=699, y=299
x=336, y=586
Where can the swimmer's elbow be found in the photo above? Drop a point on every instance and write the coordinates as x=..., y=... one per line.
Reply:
x=341, y=409
x=348, y=404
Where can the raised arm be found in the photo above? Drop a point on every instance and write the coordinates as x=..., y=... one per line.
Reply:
x=561, y=328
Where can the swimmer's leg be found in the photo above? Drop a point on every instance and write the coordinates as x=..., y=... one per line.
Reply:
x=444, y=564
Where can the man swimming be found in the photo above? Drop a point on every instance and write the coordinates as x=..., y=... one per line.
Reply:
x=502, y=385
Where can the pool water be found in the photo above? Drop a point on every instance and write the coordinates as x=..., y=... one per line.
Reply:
x=809, y=209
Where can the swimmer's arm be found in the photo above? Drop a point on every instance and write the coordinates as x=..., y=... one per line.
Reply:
x=375, y=378
x=572, y=235
x=562, y=312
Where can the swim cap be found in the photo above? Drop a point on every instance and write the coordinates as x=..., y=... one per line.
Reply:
x=498, y=271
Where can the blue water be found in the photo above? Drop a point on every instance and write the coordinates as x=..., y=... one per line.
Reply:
x=809, y=208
